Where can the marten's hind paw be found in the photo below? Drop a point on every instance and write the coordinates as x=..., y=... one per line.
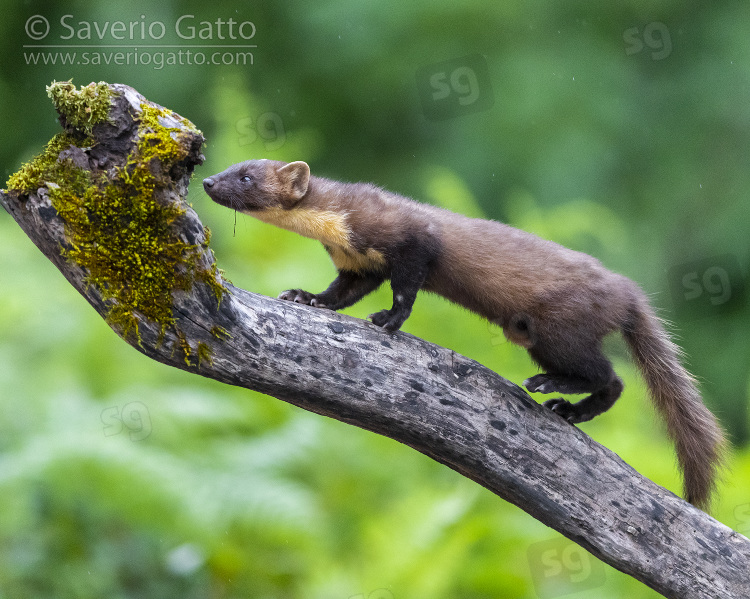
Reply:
x=301, y=297
x=540, y=383
x=563, y=408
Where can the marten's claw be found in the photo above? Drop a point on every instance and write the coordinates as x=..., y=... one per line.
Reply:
x=387, y=319
x=572, y=412
x=380, y=318
x=562, y=408
x=300, y=296
x=539, y=383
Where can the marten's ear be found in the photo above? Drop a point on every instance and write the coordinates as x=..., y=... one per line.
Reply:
x=294, y=178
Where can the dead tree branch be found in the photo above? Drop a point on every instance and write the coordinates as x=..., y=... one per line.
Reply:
x=442, y=404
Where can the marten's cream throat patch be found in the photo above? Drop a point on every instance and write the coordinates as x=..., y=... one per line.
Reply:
x=346, y=259
x=328, y=227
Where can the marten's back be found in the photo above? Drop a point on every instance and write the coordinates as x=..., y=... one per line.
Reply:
x=499, y=272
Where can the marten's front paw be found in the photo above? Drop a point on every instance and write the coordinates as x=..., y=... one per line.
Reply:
x=301, y=297
x=387, y=319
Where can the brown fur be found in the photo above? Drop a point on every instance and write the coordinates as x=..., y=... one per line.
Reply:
x=557, y=303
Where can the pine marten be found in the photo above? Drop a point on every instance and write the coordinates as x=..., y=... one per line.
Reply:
x=555, y=302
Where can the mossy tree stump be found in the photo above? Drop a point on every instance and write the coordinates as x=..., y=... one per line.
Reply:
x=115, y=179
x=105, y=203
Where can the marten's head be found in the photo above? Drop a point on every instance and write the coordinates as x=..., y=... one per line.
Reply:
x=257, y=185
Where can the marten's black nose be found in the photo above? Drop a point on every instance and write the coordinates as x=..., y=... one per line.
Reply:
x=208, y=183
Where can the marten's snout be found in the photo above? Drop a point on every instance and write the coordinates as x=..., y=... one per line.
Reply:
x=208, y=183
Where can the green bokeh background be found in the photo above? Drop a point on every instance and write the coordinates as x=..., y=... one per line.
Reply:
x=619, y=130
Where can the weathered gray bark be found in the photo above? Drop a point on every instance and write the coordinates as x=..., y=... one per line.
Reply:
x=440, y=403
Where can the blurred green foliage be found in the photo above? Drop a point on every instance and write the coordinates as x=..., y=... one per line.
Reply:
x=619, y=130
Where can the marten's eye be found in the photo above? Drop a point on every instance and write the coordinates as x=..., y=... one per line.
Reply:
x=246, y=179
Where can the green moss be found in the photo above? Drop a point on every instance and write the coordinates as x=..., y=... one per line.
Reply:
x=122, y=236
x=205, y=354
x=45, y=167
x=184, y=345
x=82, y=108
x=213, y=277
x=118, y=230
x=220, y=333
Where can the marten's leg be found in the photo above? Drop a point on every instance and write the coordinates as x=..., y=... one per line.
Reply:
x=410, y=265
x=346, y=290
x=406, y=281
x=589, y=407
x=580, y=368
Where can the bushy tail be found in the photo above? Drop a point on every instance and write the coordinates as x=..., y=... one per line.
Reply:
x=698, y=438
